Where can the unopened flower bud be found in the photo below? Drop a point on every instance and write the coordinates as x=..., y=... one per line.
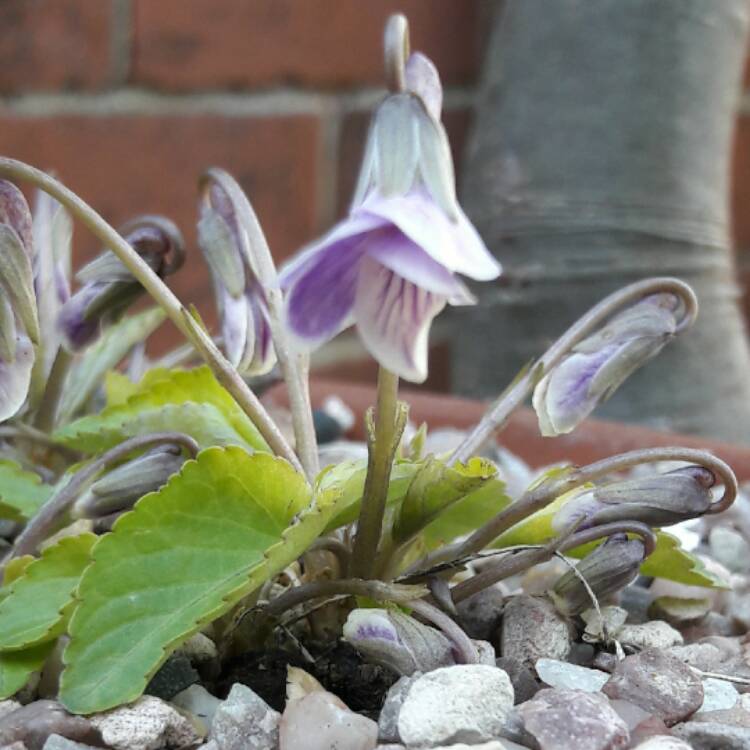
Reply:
x=658, y=500
x=609, y=568
x=599, y=364
x=108, y=286
x=397, y=641
x=119, y=489
x=224, y=238
x=19, y=325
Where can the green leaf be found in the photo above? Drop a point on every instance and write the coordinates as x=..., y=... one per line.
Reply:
x=112, y=346
x=466, y=515
x=184, y=556
x=21, y=492
x=118, y=388
x=191, y=401
x=349, y=477
x=17, y=666
x=436, y=487
x=34, y=609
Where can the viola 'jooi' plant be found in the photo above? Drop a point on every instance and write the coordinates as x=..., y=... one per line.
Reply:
x=142, y=502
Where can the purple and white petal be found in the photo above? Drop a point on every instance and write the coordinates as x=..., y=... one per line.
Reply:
x=261, y=358
x=393, y=249
x=393, y=318
x=234, y=324
x=563, y=398
x=319, y=303
x=15, y=378
x=455, y=245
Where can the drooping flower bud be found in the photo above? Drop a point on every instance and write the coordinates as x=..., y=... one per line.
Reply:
x=658, y=500
x=609, y=568
x=19, y=325
x=108, y=288
x=397, y=641
x=224, y=238
x=53, y=231
x=599, y=364
x=120, y=488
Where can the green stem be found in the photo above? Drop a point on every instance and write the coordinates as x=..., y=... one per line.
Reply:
x=383, y=440
x=163, y=296
x=49, y=406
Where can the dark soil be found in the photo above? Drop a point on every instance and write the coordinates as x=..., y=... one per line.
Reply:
x=338, y=667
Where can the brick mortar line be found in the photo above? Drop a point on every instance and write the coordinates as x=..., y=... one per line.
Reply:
x=275, y=102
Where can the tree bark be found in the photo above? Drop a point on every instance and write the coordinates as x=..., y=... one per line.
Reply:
x=600, y=156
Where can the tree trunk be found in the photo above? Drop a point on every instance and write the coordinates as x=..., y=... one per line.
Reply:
x=601, y=156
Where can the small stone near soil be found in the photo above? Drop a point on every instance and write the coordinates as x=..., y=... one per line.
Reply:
x=480, y=614
x=7, y=707
x=631, y=714
x=463, y=703
x=14, y=746
x=525, y=684
x=560, y=674
x=707, y=735
x=244, y=721
x=34, y=723
x=533, y=629
x=654, y=634
x=735, y=716
x=703, y=656
x=612, y=619
x=197, y=701
x=730, y=548
x=321, y=721
x=679, y=612
x=663, y=743
x=573, y=720
x=718, y=695
x=175, y=675
x=147, y=724
x=394, y=699
x=56, y=742
x=658, y=683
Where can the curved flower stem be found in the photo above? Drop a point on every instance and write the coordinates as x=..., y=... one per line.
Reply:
x=396, y=49
x=523, y=560
x=294, y=365
x=46, y=417
x=463, y=645
x=45, y=522
x=541, y=495
x=23, y=431
x=383, y=439
x=498, y=414
x=163, y=295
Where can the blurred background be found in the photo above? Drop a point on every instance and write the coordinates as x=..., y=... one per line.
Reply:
x=129, y=100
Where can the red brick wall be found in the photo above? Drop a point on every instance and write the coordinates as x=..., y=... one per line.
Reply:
x=129, y=100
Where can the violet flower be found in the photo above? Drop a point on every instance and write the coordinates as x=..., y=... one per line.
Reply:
x=390, y=267
x=224, y=238
x=19, y=325
x=108, y=288
x=599, y=364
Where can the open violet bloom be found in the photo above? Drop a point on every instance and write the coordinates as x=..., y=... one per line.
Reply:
x=390, y=267
x=19, y=323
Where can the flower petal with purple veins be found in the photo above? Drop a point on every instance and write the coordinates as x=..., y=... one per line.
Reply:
x=15, y=378
x=393, y=249
x=320, y=302
x=455, y=245
x=260, y=355
x=234, y=318
x=393, y=318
